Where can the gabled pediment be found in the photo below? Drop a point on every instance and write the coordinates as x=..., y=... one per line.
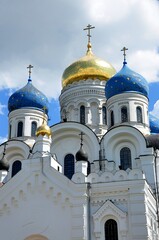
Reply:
x=109, y=208
x=109, y=211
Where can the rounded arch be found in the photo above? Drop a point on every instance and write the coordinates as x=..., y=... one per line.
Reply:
x=17, y=149
x=68, y=112
x=16, y=167
x=139, y=116
x=104, y=114
x=66, y=140
x=116, y=146
x=82, y=114
x=33, y=128
x=64, y=115
x=124, y=136
x=20, y=129
x=94, y=110
x=125, y=158
x=111, y=118
x=106, y=212
x=124, y=114
x=94, y=100
x=82, y=102
x=111, y=229
x=69, y=165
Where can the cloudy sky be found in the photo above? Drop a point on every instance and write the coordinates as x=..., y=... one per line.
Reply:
x=49, y=35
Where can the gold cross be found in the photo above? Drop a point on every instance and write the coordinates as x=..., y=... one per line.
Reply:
x=88, y=28
x=30, y=67
x=124, y=50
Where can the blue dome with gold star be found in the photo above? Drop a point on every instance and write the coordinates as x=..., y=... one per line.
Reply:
x=28, y=97
x=154, y=124
x=125, y=81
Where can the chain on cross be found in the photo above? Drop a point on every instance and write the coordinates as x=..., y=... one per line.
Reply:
x=81, y=135
x=88, y=28
x=30, y=67
x=124, y=53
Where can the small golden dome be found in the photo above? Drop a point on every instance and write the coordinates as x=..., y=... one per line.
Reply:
x=86, y=67
x=43, y=130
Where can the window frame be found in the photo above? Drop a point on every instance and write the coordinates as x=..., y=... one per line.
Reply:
x=20, y=126
x=82, y=114
x=112, y=118
x=33, y=131
x=14, y=170
x=139, y=115
x=125, y=158
x=69, y=165
x=104, y=115
x=114, y=230
x=124, y=115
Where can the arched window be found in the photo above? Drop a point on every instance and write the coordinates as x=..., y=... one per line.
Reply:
x=10, y=131
x=139, y=114
x=125, y=158
x=16, y=167
x=69, y=165
x=112, y=118
x=89, y=168
x=104, y=115
x=33, y=128
x=82, y=114
x=111, y=230
x=20, y=129
x=124, y=114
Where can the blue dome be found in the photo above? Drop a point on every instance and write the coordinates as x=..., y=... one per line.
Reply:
x=125, y=81
x=28, y=97
x=154, y=124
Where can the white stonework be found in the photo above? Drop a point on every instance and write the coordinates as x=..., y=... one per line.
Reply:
x=91, y=94
x=27, y=116
x=38, y=201
x=131, y=101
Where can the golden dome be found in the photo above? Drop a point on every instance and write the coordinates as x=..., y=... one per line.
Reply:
x=43, y=130
x=86, y=67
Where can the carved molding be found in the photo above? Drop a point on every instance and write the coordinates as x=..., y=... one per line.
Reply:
x=109, y=211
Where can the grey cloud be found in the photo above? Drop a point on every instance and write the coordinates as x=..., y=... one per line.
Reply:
x=49, y=35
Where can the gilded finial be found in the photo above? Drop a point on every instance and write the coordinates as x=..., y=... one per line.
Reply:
x=124, y=49
x=30, y=67
x=88, y=28
x=44, y=129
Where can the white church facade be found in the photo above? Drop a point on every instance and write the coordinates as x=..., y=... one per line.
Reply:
x=92, y=176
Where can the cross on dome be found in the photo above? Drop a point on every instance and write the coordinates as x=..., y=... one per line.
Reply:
x=82, y=134
x=88, y=28
x=30, y=67
x=124, y=49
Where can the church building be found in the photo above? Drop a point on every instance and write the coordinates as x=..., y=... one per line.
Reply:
x=92, y=176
